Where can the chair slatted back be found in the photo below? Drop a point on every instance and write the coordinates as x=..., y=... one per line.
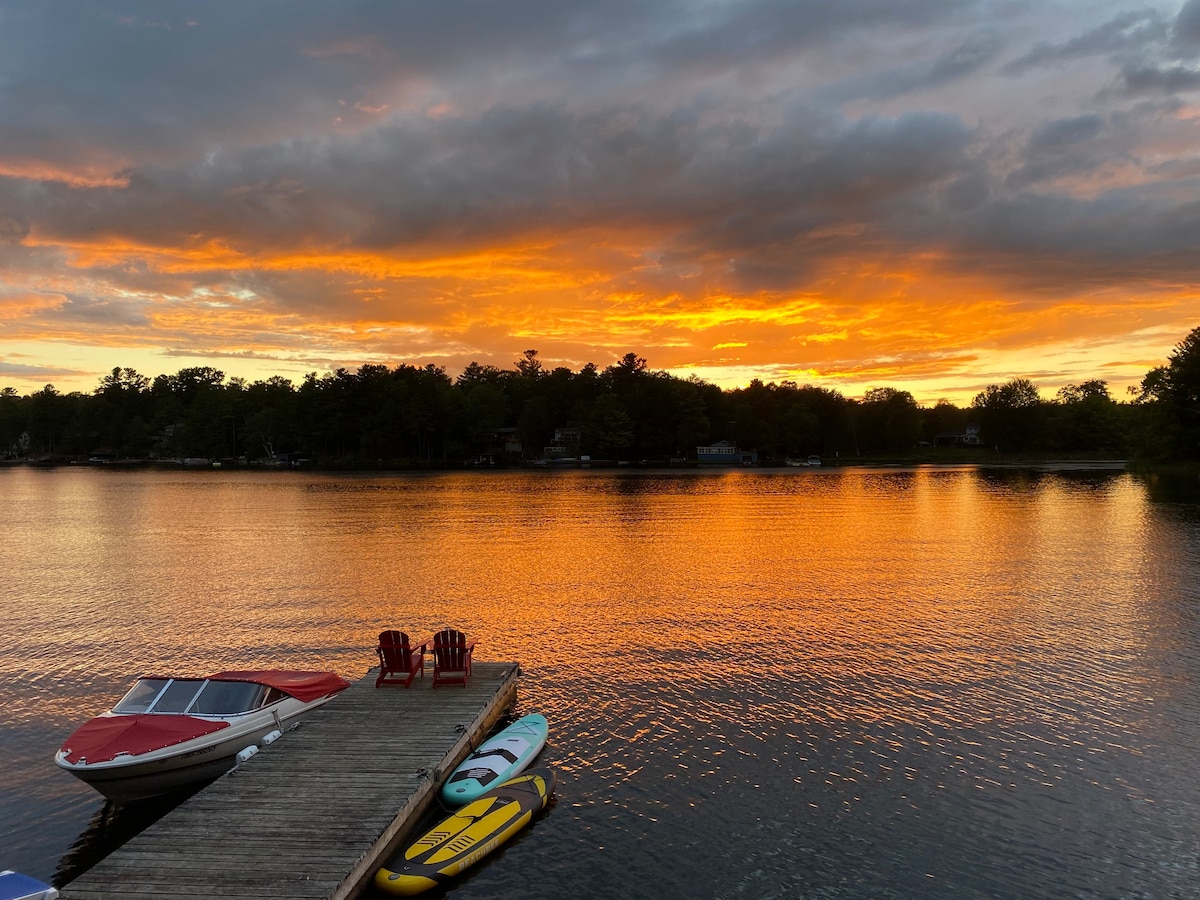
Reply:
x=395, y=655
x=451, y=657
x=450, y=650
x=399, y=661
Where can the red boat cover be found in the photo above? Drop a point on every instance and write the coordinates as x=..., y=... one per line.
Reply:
x=304, y=686
x=104, y=737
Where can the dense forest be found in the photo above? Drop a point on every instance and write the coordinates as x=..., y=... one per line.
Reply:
x=408, y=416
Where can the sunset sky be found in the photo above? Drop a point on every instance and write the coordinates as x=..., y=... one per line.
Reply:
x=930, y=195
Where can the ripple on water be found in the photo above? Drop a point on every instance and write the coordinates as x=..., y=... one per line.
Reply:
x=936, y=684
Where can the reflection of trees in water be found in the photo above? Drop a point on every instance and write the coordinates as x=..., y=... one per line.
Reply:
x=1029, y=479
x=1172, y=487
x=112, y=826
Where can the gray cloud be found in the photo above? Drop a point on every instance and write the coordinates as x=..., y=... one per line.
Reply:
x=11, y=369
x=716, y=189
x=687, y=147
x=1064, y=147
x=12, y=231
x=79, y=309
x=1066, y=132
x=964, y=60
x=1160, y=80
x=1127, y=32
x=158, y=81
x=1187, y=25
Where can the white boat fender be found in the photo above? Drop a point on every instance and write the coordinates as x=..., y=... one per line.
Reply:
x=247, y=753
x=272, y=736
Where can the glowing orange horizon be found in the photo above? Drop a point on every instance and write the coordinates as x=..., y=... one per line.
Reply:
x=925, y=327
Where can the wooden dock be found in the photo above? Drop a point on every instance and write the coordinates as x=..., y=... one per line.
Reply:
x=314, y=814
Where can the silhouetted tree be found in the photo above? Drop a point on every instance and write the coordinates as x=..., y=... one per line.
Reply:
x=417, y=415
x=943, y=418
x=1173, y=393
x=888, y=420
x=119, y=421
x=529, y=366
x=610, y=429
x=536, y=425
x=1085, y=417
x=1010, y=414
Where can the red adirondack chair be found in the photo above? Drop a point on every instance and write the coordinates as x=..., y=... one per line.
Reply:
x=451, y=657
x=398, y=662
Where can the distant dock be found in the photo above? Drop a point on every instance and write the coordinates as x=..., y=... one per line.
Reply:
x=314, y=814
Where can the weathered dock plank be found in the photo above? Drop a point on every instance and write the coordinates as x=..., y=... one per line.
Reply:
x=314, y=814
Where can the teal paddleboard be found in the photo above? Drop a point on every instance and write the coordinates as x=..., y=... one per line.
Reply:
x=502, y=756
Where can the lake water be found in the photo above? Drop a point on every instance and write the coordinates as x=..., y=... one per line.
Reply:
x=798, y=683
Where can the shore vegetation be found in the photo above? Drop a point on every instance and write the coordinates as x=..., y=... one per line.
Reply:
x=410, y=416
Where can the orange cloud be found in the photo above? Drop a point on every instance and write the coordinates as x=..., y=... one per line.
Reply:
x=923, y=323
x=87, y=176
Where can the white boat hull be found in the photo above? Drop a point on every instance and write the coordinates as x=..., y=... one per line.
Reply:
x=172, y=769
x=127, y=775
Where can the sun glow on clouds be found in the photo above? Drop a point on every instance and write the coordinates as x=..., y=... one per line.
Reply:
x=913, y=200
x=89, y=176
x=909, y=330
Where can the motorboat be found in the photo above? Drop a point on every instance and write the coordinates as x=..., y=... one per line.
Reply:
x=811, y=461
x=169, y=733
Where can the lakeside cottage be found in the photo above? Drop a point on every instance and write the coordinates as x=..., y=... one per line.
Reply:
x=725, y=453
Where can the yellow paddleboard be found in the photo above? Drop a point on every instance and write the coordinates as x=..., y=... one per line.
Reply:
x=468, y=835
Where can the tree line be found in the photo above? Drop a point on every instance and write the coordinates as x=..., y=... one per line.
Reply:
x=413, y=416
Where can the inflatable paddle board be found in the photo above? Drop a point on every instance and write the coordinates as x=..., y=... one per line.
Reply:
x=468, y=835
x=15, y=886
x=509, y=752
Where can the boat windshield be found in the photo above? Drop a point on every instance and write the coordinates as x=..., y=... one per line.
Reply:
x=141, y=695
x=195, y=696
x=178, y=696
x=224, y=698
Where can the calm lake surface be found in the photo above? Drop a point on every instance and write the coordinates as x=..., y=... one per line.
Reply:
x=799, y=683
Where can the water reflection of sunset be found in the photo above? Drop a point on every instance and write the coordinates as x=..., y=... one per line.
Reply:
x=888, y=645
x=748, y=576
